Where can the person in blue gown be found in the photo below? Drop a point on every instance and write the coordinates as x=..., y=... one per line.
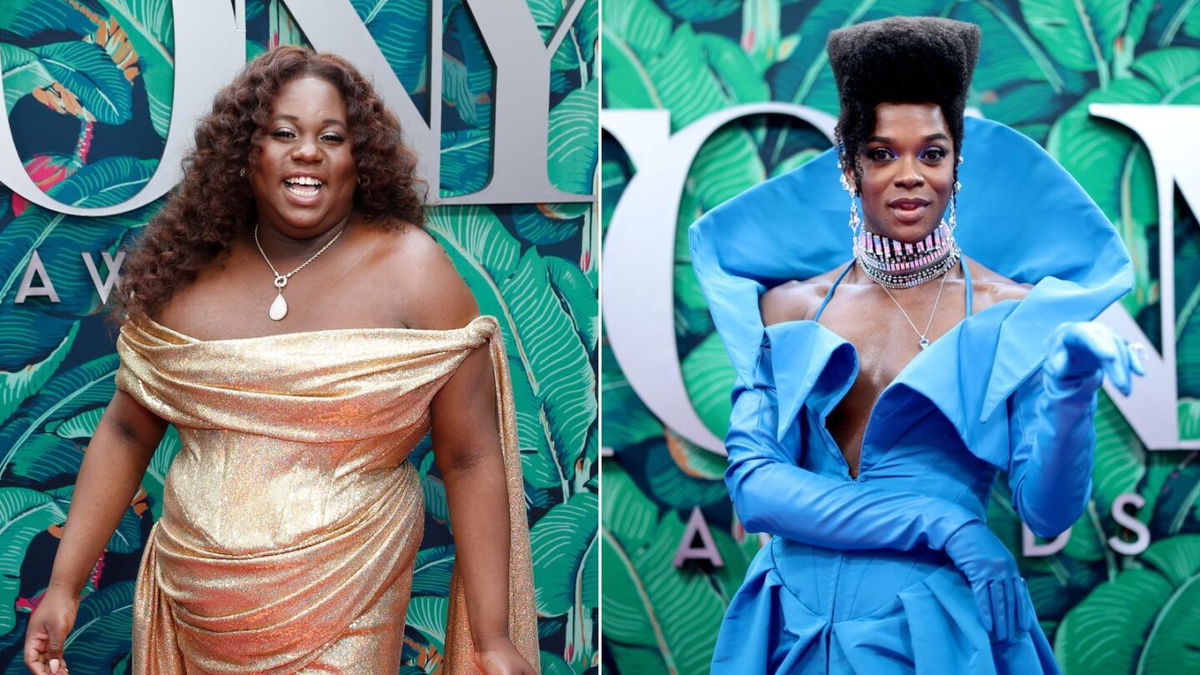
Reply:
x=884, y=377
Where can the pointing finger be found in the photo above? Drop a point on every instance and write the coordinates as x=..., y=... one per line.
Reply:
x=999, y=607
x=1024, y=607
x=1137, y=358
x=1117, y=370
x=984, y=604
x=1014, y=603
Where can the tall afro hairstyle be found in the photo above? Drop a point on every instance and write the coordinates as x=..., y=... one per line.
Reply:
x=899, y=60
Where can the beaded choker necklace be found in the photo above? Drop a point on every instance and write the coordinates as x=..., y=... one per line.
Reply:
x=896, y=264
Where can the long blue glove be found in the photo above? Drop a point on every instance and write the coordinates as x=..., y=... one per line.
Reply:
x=773, y=494
x=1000, y=593
x=1051, y=467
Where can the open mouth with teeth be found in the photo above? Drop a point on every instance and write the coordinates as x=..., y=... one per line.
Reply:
x=303, y=186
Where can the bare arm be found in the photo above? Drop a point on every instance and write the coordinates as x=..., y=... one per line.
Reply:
x=467, y=446
x=112, y=469
x=466, y=443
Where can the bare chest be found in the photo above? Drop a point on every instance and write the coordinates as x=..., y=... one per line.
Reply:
x=887, y=336
x=235, y=300
x=888, y=331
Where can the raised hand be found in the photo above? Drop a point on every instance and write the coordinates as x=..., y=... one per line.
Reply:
x=1000, y=593
x=1079, y=352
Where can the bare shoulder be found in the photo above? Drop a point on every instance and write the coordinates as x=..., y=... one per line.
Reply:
x=795, y=300
x=408, y=262
x=400, y=242
x=990, y=287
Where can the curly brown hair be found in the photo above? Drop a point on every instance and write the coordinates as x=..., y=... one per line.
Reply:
x=213, y=203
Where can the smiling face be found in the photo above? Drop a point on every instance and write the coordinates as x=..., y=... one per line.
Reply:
x=907, y=170
x=305, y=176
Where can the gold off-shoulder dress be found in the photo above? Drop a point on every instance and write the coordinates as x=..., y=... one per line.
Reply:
x=291, y=520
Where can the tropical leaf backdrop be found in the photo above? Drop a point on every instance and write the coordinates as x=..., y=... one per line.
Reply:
x=1043, y=62
x=88, y=87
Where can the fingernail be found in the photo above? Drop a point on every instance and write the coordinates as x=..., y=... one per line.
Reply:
x=54, y=665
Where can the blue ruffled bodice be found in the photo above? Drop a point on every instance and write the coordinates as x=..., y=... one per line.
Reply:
x=806, y=608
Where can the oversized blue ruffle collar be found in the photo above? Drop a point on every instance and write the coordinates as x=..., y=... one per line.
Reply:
x=1019, y=213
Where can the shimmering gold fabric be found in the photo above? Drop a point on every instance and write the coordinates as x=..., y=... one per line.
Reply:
x=291, y=519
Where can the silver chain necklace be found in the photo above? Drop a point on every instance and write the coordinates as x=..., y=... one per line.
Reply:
x=922, y=340
x=279, y=308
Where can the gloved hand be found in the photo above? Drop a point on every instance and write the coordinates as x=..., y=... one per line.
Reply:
x=1079, y=353
x=1000, y=593
x=1050, y=467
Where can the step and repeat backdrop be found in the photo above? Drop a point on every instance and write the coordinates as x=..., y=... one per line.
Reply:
x=730, y=93
x=499, y=97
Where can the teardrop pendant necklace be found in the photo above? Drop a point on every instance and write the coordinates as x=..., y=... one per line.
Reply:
x=279, y=308
x=922, y=338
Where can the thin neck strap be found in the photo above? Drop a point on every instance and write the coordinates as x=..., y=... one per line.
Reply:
x=829, y=293
x=967, y=282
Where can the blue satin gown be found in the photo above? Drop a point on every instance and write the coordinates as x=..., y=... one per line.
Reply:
x=851, y=581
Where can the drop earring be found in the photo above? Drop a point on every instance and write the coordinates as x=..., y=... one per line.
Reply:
x=954, y=198
x=953, y=220
x=855, y=222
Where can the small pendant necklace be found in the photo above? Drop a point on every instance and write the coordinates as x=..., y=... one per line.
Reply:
x=922, y=339
x=279, y=308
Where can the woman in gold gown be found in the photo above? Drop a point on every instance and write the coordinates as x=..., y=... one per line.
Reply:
x=287, y=313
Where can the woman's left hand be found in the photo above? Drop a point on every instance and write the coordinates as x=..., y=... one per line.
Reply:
x=1080, y=351
x=500, y=657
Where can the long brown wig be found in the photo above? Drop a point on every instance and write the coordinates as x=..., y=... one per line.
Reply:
x=213, y=204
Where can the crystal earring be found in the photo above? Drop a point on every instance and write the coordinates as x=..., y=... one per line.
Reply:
x=855, y=222
x=954, y=199
x=954, y=206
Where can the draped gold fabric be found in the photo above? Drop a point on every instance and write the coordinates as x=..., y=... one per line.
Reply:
x=291, y=520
